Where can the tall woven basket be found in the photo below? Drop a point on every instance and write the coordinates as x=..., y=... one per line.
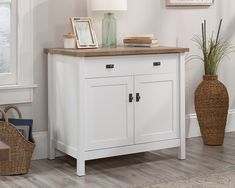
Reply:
x=211, y=104
x=21, y=150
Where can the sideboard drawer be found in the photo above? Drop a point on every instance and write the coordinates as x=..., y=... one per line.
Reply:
x=130, y=65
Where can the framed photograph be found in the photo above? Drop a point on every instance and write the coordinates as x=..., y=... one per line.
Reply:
x=189, y=2
x=84, y=32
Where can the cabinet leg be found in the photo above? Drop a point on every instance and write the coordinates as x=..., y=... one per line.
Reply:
x=182, y=152
x=52, y=150
x=80, y=167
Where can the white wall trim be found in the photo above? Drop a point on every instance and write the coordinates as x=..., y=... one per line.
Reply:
x=16, y=94
x=192, y=130
x=41, y=150
x=194, y=116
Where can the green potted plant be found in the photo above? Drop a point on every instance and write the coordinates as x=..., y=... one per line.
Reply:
x=211, y=96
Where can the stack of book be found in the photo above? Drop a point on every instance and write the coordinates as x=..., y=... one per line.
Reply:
x=140, y=41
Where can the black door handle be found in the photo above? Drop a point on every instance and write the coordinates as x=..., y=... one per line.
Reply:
x=131, y=98
x=138, y=97
x=110, y=66
x=155, y=64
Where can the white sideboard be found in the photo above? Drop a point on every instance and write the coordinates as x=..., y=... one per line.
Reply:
x=110, y=102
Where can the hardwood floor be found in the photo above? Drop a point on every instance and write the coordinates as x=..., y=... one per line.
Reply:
x=128, y=171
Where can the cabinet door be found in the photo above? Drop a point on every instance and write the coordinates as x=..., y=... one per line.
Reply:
x=156, y=112
x=109, y=113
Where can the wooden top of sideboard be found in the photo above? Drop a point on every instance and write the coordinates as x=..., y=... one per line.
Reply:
x=4, y=152
x=119, y=51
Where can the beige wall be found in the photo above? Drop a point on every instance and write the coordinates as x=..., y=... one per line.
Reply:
x=171, y=27
x=51, y=21
x=176, y=27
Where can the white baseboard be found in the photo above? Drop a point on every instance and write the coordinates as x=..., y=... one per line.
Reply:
x=192, y=130
x=41, y=150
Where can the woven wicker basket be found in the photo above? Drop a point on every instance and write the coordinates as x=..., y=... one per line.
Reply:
x=211, y=104
x=21, y=149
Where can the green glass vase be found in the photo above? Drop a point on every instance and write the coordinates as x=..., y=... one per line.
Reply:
x=109, y=31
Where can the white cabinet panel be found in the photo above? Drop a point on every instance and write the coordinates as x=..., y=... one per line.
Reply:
x=109, y=114
x=156, y=113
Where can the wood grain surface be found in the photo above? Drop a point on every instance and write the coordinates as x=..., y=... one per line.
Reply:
x=120, y=51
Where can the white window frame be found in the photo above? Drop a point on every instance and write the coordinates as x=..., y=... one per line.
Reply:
x=10, y=77
x=19, y=88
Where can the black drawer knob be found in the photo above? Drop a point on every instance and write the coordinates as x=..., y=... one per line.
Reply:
x=110, y=66
x=155, y=64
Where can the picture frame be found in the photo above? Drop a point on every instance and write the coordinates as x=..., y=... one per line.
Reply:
x=24, y=130
x=189, y=2
x=84, y=32
x=25, y=123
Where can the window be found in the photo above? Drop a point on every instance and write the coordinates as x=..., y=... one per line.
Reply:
x=16, y=51
x=8, y=42
x=5, y=32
